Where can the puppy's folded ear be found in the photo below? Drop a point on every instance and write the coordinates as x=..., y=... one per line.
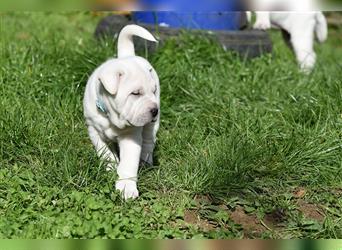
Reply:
x=110, y=79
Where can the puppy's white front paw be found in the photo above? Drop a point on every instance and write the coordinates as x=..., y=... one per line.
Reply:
x=262, y=25
x=128, y=188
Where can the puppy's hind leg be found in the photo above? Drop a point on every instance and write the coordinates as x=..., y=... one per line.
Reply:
x=149, y=139
x=102, y=149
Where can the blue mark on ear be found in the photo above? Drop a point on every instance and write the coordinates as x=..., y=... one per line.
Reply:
x=101, y=106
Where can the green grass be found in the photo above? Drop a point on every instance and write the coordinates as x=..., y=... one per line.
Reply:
x=251, y=136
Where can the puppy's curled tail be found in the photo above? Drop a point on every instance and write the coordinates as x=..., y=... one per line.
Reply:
x=125, y=40
x=321, y=28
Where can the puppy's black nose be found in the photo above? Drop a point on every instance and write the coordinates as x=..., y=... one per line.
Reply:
x=154, y=112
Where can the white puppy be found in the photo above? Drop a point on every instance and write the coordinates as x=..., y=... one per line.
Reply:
x=301, y=26
x=121, y=106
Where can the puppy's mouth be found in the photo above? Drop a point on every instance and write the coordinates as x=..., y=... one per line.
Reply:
x=141, y=123
x=137, y=123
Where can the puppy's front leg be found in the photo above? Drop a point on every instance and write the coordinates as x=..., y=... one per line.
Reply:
x=149, y=139
x=102, y=149
x=130, y=149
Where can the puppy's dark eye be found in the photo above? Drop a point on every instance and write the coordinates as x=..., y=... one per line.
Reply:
x=135, y=93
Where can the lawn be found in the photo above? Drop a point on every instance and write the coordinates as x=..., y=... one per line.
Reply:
x=246, y=148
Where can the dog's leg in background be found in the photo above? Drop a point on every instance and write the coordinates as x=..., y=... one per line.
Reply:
x=262, y=21
x=302, y=42
x=130, y=150
x=102, y=149
x=149, y=140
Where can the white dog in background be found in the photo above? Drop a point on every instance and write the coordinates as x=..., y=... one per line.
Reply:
x=121, y=106
x=302, y=27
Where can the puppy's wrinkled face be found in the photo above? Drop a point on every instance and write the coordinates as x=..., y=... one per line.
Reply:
x=137, y=97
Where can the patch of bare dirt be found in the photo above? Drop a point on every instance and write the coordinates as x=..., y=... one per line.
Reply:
x=299, y=192
x=193, y=218
x=250, y=223
x=202, y=199
x=275, y=219
x=310, y=210
x=337, y=191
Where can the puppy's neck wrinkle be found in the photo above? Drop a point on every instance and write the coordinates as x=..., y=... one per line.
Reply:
x=115, y=117
x=108, y=107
